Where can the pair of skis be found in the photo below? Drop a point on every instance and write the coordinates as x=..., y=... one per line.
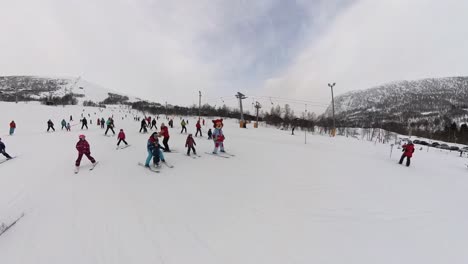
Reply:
x=156, y=169
x=221, y=154
x=193, y=156
x=77, y=169
x=5, y=160
x=126, y=146
x=4, y=227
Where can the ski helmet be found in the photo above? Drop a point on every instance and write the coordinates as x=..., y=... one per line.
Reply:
x=81, y=136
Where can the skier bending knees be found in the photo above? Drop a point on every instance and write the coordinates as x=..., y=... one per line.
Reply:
x=408, y=150
x=83, y=149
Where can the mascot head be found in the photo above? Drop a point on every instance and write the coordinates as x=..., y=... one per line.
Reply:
x=218, y=123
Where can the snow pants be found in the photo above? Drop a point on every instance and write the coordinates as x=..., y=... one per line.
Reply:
x=109, y=127
x=219, y=145
x=80, y=156
x=5, y=154
x=49, y=127
x=120, y=140
x=408, y=159
x=193, y=149
x=150, y=156
x=199, y=130
x=12, y=131
x=183, y=129
x=166, y=144
x=84, y=125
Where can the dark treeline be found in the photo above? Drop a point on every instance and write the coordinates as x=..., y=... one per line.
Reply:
x=435, y=127
x=286, y=119
x=205, y=110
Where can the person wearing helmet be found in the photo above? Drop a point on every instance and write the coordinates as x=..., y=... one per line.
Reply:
x=2, y=150
x=83, y=149
x=408, y=150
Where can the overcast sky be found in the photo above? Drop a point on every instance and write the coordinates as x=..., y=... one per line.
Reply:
x=169, y=50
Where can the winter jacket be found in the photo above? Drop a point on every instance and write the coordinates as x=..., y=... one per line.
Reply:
x=153, y=122
x=156, y=150
x=83, y=147
x=198, y=125
x=150, y=143
x=121, y=135
x=164, y=131
x=190, y=142
x=85, y=122
x=50, y=123
x=12, y=125
x=64, y=123
x=2, y=147
x=218, y=135
x=408, y=150
x=143, y=123
x=183, y=123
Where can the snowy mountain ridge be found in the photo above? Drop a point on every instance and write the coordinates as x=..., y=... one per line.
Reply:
x=401, y=100
x=38, y=87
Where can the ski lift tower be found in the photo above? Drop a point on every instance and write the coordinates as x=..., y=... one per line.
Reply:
x=241, y=97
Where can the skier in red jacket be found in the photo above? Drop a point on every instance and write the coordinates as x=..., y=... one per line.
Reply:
x=408, y=150
x=83, y=149
x=198, y=126
x=164, y=132
x=12, y=127
x=189, y=144
x=121, y=138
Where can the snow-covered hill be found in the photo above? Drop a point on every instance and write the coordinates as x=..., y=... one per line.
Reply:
x=332, y=200
x=39, y=87
x=399, y=101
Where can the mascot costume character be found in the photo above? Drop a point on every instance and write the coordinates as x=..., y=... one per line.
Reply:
x=218, y=136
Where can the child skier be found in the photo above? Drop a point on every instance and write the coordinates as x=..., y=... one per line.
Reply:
x=12, y=127
x=184, y=128
x=103, y=122
x=408, y=150
x=121, y=138
x=50, y=125
x=154, y=150
x=84, y=123
x=68, y=127
x=2, y=150
x=189, y=144
x=83, y=149
x=143, y=126
x=210, y=133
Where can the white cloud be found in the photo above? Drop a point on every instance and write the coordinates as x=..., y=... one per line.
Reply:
x=373, y=42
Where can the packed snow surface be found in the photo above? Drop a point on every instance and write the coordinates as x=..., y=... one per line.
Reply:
x=332, y=200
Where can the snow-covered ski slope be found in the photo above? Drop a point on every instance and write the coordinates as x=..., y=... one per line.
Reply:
x=334, y=200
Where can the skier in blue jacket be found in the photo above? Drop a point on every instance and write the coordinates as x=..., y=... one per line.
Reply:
x=154, y=150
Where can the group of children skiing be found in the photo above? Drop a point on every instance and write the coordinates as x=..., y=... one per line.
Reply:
x=154, y=148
